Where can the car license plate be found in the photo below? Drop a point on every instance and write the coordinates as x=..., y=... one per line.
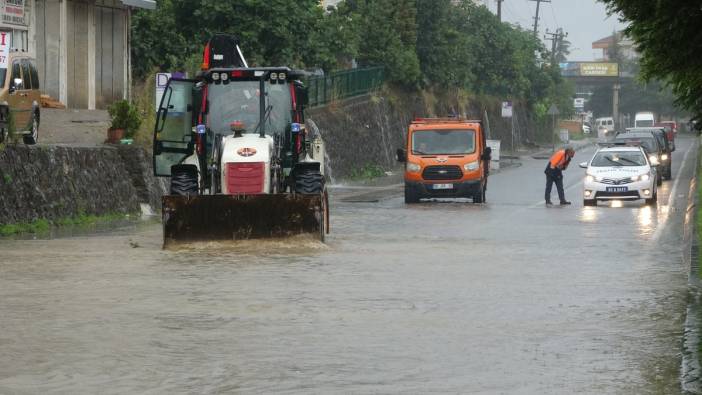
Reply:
x=617, y=189
x=443, y=186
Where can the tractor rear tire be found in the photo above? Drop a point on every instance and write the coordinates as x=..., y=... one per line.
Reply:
x=411, y=195
x=33, y=136
x=309, y=182
x=184, y=180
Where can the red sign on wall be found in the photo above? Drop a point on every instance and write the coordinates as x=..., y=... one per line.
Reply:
x=13, y=12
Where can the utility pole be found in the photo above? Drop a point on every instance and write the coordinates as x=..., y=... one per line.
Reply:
x=555, y=39
x=499, y=10
x=536, y=18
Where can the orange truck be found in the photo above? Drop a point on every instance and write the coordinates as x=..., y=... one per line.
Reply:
x=445, y=158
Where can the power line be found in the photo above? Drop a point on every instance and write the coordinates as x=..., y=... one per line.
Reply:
x=536, y=18
x=556, y=40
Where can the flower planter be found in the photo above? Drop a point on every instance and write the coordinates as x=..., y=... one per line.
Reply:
x=114, y=136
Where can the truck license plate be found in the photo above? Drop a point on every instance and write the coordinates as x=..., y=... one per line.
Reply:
x=617, y=189
x=443, y=186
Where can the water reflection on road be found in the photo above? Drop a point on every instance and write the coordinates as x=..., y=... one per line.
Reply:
x=439, y=297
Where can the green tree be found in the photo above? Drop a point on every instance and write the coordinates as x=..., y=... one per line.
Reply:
x=667, y=37
x=388, y=37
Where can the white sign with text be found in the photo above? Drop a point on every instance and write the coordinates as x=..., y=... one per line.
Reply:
x=5, y=40
x=506, y=109
x=161, y=83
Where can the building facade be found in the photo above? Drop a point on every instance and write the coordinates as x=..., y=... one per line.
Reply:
x=626, y=46
x=82, y=47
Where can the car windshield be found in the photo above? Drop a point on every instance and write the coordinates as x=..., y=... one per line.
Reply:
x=443, y=142
x=648, y=143
x=240, y=101
x=618, y=158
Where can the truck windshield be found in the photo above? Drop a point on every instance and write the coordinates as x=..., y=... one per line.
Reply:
x=443, y=142
x=239, y=101
x=622, y=158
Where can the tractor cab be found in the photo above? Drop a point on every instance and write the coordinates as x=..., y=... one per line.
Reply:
x=195, y=113
x=240, y=162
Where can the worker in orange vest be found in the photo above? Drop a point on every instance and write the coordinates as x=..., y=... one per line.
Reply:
x=554, y=173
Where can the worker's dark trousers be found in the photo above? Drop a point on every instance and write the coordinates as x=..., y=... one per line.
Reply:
x=554, y=176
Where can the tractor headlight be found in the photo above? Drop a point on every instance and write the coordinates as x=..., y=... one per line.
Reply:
x=274, y=76
x=471, y=166
x=413, y=167
x=282, y=76
x=215, y=76
x=224, y=77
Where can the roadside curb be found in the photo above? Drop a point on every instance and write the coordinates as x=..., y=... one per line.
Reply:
x=691, y=371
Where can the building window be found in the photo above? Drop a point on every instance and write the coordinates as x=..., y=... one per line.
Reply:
x=20, y=40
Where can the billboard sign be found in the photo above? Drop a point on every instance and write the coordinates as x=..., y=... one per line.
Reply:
x=599, y=69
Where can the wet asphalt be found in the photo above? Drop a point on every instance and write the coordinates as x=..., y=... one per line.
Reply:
x=442, y=297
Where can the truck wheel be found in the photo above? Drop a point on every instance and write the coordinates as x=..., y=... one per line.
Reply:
x=324, y=217
x=31, y=139
x=184, y=180
x=309, y=182
x=410, y=195
x=480, y=196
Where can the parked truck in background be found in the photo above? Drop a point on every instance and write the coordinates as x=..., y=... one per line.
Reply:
x=644, y=120
x=445, y=158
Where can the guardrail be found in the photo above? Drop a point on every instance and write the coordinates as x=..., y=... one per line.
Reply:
x=344, y=84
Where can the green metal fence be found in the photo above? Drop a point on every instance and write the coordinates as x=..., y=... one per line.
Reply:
x=343, y=85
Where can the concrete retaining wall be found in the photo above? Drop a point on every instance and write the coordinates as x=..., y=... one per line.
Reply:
x=368, y=130
x=54, y=182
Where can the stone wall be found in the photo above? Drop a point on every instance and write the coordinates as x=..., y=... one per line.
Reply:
x=369, y=129
x=54, y=182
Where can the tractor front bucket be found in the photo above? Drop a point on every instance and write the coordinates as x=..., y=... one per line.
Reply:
x=230, y=217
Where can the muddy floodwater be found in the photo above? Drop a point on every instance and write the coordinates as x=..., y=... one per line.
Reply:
x=441, y=297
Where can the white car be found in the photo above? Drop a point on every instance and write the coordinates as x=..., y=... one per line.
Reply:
x=619, y=173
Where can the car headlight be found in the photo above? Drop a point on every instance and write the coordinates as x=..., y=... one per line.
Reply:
x=645, y=177
x=589, y=178
x=654, y=160
x=472, y=166
x=664, y=157
x=413, y=167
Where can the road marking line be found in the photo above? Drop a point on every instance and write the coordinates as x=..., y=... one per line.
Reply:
x=663, y=221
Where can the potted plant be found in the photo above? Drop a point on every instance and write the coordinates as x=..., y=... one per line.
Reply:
x=125, y=121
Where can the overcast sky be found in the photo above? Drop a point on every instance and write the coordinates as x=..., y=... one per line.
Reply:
x=585, y=21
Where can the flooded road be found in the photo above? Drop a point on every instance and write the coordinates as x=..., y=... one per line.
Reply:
x=507, y=297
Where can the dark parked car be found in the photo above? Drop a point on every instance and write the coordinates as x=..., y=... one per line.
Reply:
x=658, y=154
